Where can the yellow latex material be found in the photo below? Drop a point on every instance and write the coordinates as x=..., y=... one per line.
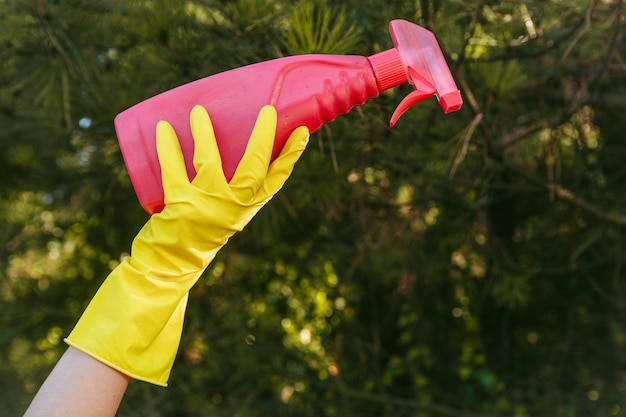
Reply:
x=135, y=320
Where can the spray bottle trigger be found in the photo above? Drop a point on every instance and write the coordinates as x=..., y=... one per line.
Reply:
x=424, y=88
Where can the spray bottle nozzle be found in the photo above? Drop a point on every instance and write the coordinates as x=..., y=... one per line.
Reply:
x=416, y=58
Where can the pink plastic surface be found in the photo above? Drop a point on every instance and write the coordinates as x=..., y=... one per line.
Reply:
x=306, y=90
x=427, y=69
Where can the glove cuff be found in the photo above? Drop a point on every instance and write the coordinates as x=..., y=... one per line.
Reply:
x=133, y=330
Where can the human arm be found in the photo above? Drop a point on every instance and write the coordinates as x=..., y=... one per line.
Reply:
x=132, y=326
x=140, y=335
x=79, y=385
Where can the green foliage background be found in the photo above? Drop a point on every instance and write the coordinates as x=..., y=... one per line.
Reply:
x=468, y=264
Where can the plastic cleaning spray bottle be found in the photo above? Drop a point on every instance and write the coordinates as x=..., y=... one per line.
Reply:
x=306, y=90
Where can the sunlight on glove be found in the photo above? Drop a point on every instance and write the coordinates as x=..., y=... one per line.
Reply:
x=135, y=320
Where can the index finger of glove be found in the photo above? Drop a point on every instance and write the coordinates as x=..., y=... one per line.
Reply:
x=173, y=171
x=252, y=169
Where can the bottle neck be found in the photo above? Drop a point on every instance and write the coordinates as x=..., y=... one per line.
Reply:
x=388, y=69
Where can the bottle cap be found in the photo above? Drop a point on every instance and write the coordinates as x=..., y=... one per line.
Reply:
x=416, y=58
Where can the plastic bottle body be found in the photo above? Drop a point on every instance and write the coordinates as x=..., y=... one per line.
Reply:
x=306, y=90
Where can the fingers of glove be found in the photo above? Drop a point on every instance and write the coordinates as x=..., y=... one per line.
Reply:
x=206, y=157
x=282, y=166
x=173, y=172
x=252, y=169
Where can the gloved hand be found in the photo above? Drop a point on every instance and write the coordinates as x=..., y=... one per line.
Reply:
x=135, y=320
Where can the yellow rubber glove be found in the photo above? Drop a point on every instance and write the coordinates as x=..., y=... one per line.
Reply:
x=135, y=320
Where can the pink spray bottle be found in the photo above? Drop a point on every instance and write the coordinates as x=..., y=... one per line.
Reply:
x=306, y=90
